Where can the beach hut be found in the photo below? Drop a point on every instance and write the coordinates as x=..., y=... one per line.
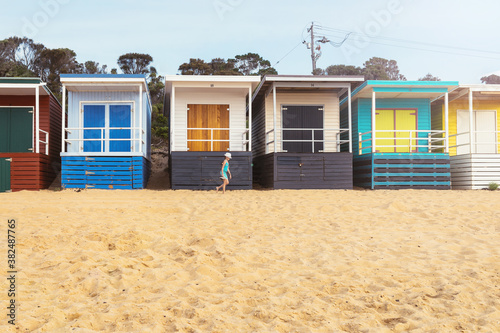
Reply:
x=107, y=140
x=209, y=116
x=30, y=128
x=474, y=135
x=395, y=144
x=298, y=135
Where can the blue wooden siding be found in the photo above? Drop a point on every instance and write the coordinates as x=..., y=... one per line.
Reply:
x=362, y=122
x=75, y=98
x=124, y=173
x=402, y=170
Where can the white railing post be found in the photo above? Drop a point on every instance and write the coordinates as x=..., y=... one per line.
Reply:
x=446, y=124
x=429, y=142
x=374, y=123
x=212, y=139
x=274, y=118
x=313, y=132
x=37, y=121
x=103, y=142
x=473, y=148
x=349, y=118
x=411, y=141
x=63, y=124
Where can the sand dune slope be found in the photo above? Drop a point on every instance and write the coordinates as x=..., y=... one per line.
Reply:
x=255, y=261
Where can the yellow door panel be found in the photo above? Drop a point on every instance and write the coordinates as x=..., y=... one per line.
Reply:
x=406, y=121
x=385, y=122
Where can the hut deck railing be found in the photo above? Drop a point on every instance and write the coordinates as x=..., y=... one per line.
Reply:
x=45, y=142
x=476, y=144
x=135, y=136
x=430, y=140
x=271, y=137
x=244, y=137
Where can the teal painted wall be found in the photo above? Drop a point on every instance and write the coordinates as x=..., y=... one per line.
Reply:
x=362, y=120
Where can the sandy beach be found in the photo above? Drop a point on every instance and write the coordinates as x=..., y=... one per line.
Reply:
x=254, y=261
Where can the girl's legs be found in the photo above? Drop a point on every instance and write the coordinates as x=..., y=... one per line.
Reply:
x=224, y=185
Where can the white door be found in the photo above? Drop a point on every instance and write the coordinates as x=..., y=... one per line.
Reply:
x=484, y=126
x=486, y=138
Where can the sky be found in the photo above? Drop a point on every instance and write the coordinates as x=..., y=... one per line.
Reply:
x=453, y=40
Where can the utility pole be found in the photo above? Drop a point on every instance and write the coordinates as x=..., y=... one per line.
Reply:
x=313, y=49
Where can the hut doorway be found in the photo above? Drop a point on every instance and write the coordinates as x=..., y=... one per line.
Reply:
x=397, y=131
x=107, y=121
x=208, y=127
x=5, y=175
x=302, y=128
x=16, y=130
x=484, y=129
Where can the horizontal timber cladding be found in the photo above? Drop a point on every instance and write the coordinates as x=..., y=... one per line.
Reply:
x=201, y=170
x=405, y=170
x=31, y=171
x=124, y=173
x=474, y=171
x=304, y=170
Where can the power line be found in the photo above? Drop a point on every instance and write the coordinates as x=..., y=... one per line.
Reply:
x=286, y=55
x=332, y=31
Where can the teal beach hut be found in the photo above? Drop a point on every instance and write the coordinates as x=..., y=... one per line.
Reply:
x=395, y=145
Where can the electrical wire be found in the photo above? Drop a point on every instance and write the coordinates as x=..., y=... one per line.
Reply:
x=286, y=55
x=330, y=32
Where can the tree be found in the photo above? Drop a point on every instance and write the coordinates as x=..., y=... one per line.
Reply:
x=382, y=69
x=156, y=87
x=135, y=63
x=429, y=77
x=18, y=56
x=491, y=79
x=343, y=70
x=54, y=62
x=195, y=67
x=92, y=67
x=220, y=66
x=253, y=64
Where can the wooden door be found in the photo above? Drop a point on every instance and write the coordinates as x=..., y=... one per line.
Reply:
x=207, y=117
x=16, y=130
x=385, y=122
x=406, y=122
x=4, y=175
x=297, y=117
x=486, y=137
x=400, y=123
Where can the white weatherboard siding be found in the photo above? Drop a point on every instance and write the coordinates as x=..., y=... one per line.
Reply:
x=235, y=98
x=74, y=119
x=331, y=113
x=474, y=171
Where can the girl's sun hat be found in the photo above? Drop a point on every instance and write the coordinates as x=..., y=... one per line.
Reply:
x=228, y=155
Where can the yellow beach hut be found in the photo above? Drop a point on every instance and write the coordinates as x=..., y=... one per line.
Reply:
x=473, y=128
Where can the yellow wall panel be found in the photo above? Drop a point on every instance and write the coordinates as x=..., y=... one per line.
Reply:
x=464, y=105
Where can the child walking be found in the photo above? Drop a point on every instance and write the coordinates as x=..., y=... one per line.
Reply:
x=224, y=172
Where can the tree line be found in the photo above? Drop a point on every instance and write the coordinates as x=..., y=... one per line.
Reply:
x=23, y=57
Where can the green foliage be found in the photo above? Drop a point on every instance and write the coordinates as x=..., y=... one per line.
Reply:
x=491, y=79
x=343, y=70
x=247, y=64
x=159, y=123
x=195, y=67
x=382, y=69
x=429, y=77
x=135, y=63
x=156, y=87
x=373, y=69
x=92, y=67
x=493, y=186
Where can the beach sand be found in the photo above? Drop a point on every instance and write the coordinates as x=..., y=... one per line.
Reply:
x=254, y=261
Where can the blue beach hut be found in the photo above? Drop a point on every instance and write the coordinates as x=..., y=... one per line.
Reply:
x=395, y=144
x=106, y=141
